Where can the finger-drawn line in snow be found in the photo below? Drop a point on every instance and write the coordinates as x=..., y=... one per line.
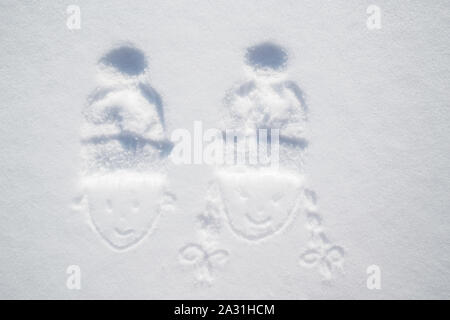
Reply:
x=321, y=253
x=205, y=254
x=204, y=261
x=124, y=148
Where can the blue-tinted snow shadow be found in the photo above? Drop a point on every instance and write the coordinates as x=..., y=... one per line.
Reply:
x=266, y=55
x=126, y=59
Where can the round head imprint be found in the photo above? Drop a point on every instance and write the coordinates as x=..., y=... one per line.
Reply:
x=126, y=59
x=266, y=56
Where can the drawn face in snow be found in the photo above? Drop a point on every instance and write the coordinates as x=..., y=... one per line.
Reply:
x=123, y=210
x=258, y=204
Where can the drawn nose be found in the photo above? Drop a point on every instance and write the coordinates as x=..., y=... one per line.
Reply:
x=122, y=222
x=259, y=209
x=109, y=207
x=123, y=215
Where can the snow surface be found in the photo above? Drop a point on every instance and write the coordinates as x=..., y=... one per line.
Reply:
x=86, y=120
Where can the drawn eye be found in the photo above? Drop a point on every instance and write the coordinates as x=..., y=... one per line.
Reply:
x=135, y=205
x=277, y=197
x=109, y=207
x=244, y=194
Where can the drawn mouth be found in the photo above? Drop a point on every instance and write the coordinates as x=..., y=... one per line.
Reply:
x=125, y=232
x=259, y=222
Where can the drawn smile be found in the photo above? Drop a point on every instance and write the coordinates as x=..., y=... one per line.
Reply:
x=264, y=222
x=124, y=232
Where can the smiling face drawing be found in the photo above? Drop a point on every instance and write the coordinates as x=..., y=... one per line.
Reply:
x=124, y=209
x=258, y=203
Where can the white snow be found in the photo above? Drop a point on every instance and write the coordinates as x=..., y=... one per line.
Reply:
x=86, y=178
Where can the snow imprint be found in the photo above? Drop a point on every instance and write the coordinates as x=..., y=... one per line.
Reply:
x=124, y=148
x=256, y=202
